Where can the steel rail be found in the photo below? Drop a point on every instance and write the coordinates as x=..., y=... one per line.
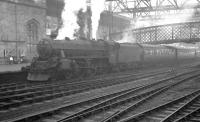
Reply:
x=45, y=93
x=75, y=83
x=107, y=103
x=165, y=79
x=122, y=112
x=158, y=110
x=185, y=110
x=192, y=116
x=12, y=86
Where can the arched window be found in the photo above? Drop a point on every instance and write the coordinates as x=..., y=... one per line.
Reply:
x=32, y=30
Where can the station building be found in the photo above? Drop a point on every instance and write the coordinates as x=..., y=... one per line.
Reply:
x=22, y=25
x=110, y=24
x=24, y=22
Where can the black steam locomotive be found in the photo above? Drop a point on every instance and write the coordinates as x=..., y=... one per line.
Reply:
x=64, y=59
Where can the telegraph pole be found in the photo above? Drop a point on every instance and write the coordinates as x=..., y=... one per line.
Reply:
x=16, y=28
x=110, y=27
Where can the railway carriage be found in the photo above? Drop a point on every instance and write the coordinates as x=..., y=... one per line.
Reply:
x=186, y=53
x=158, y=54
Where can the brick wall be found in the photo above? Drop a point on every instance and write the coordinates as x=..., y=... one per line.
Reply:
x=13, y=24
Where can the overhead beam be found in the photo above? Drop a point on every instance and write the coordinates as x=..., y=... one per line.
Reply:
x=153, y=9
x=146, y=8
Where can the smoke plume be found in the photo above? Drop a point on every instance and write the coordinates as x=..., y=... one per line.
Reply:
x=84, y=22
x=69, y=18
x=77, y=18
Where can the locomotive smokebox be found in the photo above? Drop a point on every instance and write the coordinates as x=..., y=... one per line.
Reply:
x=54, y=34
x=44, y=49
x=67, y=38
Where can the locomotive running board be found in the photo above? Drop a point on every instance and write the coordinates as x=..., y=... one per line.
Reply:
x=37, y=77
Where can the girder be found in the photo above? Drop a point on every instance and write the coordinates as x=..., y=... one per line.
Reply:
x=146, y=8
x=188, y=32
x=153, y=9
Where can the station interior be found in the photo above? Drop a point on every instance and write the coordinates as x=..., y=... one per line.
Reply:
x=99, y=61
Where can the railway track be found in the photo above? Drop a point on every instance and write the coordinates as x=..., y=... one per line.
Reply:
x=18, y=95
x=15, y=86
x=191, y=115
x=21, y=95
x=182, y=109
x=117, y=109
x=186, y=112
x=86, y=108
x=15, y=81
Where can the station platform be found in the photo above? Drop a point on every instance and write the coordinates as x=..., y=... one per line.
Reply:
x=6, y=68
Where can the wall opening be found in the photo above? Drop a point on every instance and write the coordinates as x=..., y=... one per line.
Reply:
x=32, y=29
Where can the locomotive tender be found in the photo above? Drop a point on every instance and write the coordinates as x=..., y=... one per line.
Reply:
x=64, y=59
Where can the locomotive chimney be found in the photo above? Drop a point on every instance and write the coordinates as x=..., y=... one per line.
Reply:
x=54, y=34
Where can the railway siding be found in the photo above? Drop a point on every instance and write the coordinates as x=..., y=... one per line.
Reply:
x=133, y=108
x=163, y=111
x=169, y=96
x=35, y=109
x=31, y=96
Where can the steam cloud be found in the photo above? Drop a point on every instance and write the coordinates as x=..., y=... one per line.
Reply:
x=180, y=17
x=97, y=7
x=69, y=17
x=184, y=16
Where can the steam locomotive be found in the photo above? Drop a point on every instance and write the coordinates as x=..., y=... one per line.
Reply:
x=64, y=59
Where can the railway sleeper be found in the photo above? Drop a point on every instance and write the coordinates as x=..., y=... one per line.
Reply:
x=16, y=97
x=27, y=89
x=186, y=111
x=18, y=103
x=31, y=98
x=8, y=106
x=160, y=115
x=7, y=85
x=12, y=88
x=40, y=98
x=195, y=119
x=196, y=105
x=154, y=118
x=8, y=93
